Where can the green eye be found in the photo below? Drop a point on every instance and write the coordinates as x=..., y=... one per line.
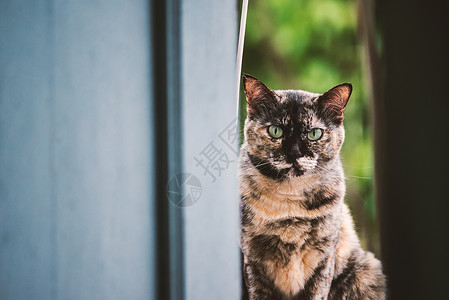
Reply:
x=275, y=131
x=315, y=134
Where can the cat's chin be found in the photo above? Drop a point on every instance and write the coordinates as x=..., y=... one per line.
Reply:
x=294, y=172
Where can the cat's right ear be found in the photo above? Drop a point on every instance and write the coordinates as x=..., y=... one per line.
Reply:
x=332, y=103
x=256, y=92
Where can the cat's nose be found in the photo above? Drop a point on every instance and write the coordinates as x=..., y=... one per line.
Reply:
x=295, y=152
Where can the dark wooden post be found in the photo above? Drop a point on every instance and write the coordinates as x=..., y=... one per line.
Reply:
x=412, y=147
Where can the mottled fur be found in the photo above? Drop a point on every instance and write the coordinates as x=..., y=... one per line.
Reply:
x=297, y=235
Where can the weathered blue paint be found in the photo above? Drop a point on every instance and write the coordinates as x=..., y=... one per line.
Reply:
x=77, y=188
x=75, y=150
x=209, y=35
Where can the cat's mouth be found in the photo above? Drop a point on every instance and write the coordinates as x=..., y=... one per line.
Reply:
x=290, y=169
x=294, y=171
x=299, y=167
x=281, y=169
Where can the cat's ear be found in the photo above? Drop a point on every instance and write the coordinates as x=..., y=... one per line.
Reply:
x=256, y=92
x=332, y=103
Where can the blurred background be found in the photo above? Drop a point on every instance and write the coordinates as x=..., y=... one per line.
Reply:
x=395, y=54
x=314, y=46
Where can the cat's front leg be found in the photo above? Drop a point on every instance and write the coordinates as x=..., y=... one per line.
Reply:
x=258, y=284
x=361, y=278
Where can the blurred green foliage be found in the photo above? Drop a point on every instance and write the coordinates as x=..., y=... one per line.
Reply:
x=314, y=46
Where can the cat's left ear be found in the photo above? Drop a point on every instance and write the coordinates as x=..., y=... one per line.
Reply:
x=257, y=93
x=332, y=103
x=255, y=90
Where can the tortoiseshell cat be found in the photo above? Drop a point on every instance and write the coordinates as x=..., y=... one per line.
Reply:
x=297, y=234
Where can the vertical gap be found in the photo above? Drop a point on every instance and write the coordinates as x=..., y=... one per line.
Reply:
x=167, y=127
x=175, y=162
x=373, y=62
x=161, y=160
x=52, y=144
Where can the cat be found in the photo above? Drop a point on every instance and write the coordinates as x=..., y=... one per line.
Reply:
x=297, y=235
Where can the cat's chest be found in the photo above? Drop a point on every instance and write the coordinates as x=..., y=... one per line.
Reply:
x=298, y=230
x=292, y=248
x=290, y=254
x=291, y=230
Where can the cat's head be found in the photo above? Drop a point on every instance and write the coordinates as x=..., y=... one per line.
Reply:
x=293, y=132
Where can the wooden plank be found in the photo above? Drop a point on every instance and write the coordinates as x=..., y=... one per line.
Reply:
x=76, y=216
x=412, y=142
x=209, y=35
x=26, y=181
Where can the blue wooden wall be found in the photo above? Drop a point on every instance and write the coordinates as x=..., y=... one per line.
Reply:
x=209, y=110
x=77, y=178
x=75, y=150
